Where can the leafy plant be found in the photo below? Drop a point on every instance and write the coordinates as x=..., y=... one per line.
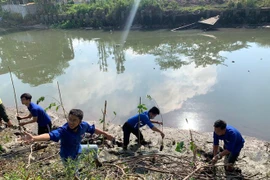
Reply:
x=41, y=99
x=20, y=172
x=231, y=4
x=192, y=146
x=141, y=108
x=51, y=105
x=149, y=97
x=251, y=3
x=71, y=167
x=101, y=120
x=180, y=146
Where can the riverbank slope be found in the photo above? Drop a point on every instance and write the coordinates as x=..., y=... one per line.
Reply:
x=254, y=160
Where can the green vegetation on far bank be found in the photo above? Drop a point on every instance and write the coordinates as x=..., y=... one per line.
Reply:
x=113, y=12
x=110, y=7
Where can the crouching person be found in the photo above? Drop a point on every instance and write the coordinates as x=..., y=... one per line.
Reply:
x=233, y=143
x=70, y=135
x=132, y=126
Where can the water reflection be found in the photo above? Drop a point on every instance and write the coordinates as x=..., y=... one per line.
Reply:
x=171, y=90
x=39, y=56
x=183, y=71
x=119, y=57
x=107, y=49
x=35, y=57
x=193, y=121
x=178, y=86
x=103, y=54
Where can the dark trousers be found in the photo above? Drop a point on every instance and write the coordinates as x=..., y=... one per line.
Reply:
x=45, y=129
x=3, y=114
x=231, y=158
x=127, y=129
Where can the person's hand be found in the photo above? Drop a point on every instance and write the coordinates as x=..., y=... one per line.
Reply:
x=19, y=118
x=160, y=123
x=22, y=123
x=162, y=135
x=215, y=159
x=27, y=137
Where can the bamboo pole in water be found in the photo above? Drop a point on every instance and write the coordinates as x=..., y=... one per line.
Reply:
x=14, y=91
x=104, y=119
x=104, y=115
x=60, y=97
x=162, y=144
x=139, y=120
x=15, y=97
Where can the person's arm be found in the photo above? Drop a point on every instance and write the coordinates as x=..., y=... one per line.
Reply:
x=30, y=138
x=28, y=122
x=220, y=155
x=215, y=150
x=157, y=130
x=216, y=156
x=108, y=136
x=216, y=143
x=25, y=117
x=147, y=121
x=229, y=147
x=224, y=153
x=156, y=122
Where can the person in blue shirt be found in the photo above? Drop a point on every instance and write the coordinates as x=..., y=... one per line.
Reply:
x=37, y=114
x=233, y=143
x=132, y=126
x=70, y=135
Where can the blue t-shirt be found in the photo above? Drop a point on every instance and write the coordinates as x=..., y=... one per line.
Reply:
x=233, y=140
x=70, y=140
x=144, y=119
x=42, y=117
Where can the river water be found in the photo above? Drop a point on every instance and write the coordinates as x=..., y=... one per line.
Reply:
x=201, y=76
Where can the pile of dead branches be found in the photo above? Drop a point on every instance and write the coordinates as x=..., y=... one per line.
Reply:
x=163, y=166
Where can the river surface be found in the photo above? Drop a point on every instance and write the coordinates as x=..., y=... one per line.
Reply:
x=201, y=76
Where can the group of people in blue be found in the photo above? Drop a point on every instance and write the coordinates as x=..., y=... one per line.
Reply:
x=72, y=132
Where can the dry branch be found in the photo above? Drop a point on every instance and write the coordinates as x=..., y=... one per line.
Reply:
x=30, y=156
